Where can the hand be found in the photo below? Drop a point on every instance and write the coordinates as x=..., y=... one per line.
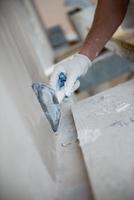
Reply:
x=64, y=79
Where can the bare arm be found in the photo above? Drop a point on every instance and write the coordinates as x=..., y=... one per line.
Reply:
x=108, y=16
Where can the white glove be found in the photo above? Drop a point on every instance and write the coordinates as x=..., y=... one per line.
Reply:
x=73, y=68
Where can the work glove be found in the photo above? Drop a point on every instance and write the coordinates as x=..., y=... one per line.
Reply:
x=64, y=79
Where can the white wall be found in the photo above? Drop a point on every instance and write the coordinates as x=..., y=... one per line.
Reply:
x=27, y=146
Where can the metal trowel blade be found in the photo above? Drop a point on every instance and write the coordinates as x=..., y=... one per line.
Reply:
x=49, y=103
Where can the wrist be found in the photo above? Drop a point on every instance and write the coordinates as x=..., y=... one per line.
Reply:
x=88, y=53
x=84, y=57
x=83, y=62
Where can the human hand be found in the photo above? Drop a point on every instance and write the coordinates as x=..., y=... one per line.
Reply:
x=64, y=79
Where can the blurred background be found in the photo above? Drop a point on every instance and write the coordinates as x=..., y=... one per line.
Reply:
x=66, y=23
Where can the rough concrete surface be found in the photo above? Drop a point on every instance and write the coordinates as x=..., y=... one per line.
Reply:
x=105, y=127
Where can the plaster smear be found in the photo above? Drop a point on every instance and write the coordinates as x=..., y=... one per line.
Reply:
x=122, y=107
x=105, y=106
x=87, y=136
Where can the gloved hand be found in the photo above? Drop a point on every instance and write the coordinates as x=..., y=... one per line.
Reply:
x=64, y=79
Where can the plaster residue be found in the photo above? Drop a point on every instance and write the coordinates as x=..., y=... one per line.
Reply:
x=68, y=143
x=87, y=136
x=107, y=104
x=119, y=123
x=122, y=107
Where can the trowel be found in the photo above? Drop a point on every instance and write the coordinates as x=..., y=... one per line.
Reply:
x=50, y=100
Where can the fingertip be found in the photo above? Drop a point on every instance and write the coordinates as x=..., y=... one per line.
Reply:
x=69, y=85
x=76, y=85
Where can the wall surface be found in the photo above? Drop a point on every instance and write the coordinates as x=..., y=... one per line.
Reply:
x=27, y=170
x=35, y=164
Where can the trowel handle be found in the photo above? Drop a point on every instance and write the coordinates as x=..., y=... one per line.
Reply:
x=62, y=79
x=61, y=82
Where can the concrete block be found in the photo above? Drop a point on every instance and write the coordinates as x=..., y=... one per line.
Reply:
x=105, y=127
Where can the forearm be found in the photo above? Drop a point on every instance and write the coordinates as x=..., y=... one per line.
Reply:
x=108, y=16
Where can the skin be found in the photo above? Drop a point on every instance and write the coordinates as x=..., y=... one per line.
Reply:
x=108, y=16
